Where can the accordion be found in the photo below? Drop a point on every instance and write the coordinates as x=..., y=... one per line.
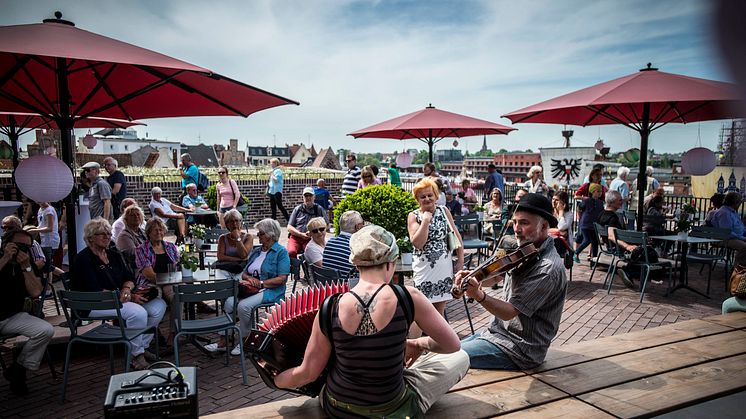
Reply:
x=279, y=342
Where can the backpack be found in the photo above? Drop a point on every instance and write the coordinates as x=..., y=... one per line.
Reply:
x=202, y=182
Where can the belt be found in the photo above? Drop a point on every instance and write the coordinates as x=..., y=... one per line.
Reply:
x=374, y=410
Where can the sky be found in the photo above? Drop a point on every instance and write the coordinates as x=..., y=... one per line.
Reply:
x=352, y=64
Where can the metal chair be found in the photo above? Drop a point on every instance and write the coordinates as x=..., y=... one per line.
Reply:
x=640, y=238
x=323, y=275
x=605, y=249
x=711, y=255
x=77, y=305
x=304, y=269
x=193, y=293
x=462, y=224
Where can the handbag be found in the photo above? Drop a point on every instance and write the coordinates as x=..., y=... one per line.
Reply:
x=241, y=205
x=453, y=242
x=738, y=281
x=232, y=267
x=246, y=290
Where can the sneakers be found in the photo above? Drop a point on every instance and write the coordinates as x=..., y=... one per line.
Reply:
x=16, y=375
x=627, y=282
x=237, y=350
x=213, y=347
x=575, y=258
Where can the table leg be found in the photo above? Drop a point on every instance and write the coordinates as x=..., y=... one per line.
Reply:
x=683, y=281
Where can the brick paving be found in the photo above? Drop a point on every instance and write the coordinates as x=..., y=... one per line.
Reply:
x=589, y=313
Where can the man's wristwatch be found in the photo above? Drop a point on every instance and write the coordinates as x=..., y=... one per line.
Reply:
x=27, y=269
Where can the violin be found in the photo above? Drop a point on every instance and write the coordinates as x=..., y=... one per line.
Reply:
x=496, y=265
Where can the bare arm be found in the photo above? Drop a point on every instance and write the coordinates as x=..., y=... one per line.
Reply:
x=624, y=245
x=107, y=208
x=418, y=231
x=49, y=221
x=440, y=337
x=115, y=189
x=501, y=309
x=315, y=359
x=295, y=232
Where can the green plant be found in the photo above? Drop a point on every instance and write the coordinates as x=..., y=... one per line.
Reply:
x=384, y=205
x=684, y=221
x=478, y=208
x=198, y=231
x=405, y=246
x=211, y=197
x=187, y=260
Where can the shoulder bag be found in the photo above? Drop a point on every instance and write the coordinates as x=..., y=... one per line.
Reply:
x=453, y=242
x=738, y=281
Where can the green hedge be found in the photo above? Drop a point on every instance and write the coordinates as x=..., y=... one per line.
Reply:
x=384, y=205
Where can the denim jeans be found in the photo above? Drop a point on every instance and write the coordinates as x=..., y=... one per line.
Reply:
x=486, y=355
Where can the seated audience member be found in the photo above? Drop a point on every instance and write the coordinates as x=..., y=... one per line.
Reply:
x=653, y=193
x=493, y=210
x=11, y=222
x=527, y=315
x=716, y=201
x=452, y=204
x=118, y=225
x=468, y=195
x=368, y=348
x=337, y=250
x=132, y=236
x=165, y=211
x=727, y=217
x=263, y=279
x=194, y=203
x=156, y=256
x=654, y=224
x=235, y=245
x=298, y=222
x=98, y=267
x=562, y=212
x=314, y=252
x=322, y=196
x=21, y=280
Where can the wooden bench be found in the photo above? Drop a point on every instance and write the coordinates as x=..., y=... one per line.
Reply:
x=642, y=373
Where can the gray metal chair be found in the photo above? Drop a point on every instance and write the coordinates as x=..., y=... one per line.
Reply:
x=640, y=238
x=193, y=293
x=710, y=255
x=606, y=250
x=477, y=243
x=295, y=265
x=77, y=306
x=323, y=275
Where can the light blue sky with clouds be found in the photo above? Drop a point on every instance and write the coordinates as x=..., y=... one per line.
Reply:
x=352, y=64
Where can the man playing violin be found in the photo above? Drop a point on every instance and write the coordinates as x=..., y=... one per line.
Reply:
x=528, y=312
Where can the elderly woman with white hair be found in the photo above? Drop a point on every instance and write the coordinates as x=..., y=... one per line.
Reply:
x=314, y=252
x=166, y=211
x=535, y=182
x=367, y=344
x=133, y=234
x=98, y=267
x=263, y=280
x=118, y=225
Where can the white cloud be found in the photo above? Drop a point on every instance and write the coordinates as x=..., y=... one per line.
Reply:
x=355, y=63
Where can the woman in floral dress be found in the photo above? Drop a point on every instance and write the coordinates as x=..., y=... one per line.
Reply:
x=432, y=265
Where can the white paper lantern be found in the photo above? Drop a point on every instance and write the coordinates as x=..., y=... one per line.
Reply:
x=44, y=178
x=404, y=160
x=698, y=161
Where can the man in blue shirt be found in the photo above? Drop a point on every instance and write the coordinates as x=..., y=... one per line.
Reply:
x=727, y=217
x=188, y=171
x=337, y=249
x=322, y=195
x=117, y=182
x=494, y=180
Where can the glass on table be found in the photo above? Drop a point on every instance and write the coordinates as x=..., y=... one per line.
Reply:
x=210, y=270
x=171, y=270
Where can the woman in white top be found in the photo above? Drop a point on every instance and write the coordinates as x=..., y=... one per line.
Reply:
x=561, y=205
x=535, y=183
x=315, y=248
x=48, y=232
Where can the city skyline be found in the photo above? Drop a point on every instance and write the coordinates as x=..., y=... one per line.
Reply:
x=352, y=64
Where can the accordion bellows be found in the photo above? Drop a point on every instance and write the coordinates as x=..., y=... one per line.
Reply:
x=280, y=340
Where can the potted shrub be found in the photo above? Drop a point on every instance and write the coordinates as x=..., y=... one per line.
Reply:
x=188, y=262
x=405, y=250
x=383, y=205
x=480, y=212
x=684, y=221
x=197, y=232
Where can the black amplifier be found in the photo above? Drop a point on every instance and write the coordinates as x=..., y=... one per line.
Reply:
x=155, y=393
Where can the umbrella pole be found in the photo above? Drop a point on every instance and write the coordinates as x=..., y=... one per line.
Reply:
x=65, y=124
x=13, y=137
x=642, y=177
x=430, y=146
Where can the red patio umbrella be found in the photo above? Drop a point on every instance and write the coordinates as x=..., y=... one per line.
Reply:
x=431, y=125
x=56, y=69
x=643, y=101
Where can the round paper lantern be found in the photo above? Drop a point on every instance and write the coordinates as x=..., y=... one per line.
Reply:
x=44, y=178
x=698, y=161
x=89, y=141
x=404, y=160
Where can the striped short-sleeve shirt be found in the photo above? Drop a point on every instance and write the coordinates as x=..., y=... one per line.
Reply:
x=337, y=254
x=349, y=183
x=539, y=295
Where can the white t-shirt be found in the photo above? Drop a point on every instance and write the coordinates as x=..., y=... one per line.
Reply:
x=565, y=222
x=51, y=239
x=165, y=205
x=314, y=252
x=256, y=265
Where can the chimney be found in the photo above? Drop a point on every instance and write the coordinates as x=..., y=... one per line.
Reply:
x=233, y=146
x=175, y=158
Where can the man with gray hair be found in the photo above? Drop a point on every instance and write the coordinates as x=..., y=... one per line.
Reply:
x=117, y=182
x=99, y=195
x=337, y=249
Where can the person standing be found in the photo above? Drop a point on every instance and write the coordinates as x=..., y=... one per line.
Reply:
x=352, y=177
x=394, y=177
x=322, y=195
x=535, y=182
x=188, y=171
x=652, y=185
x=274, y=189
x=48, y=233
x=590, y=209
x=494, y=180
x=620, y=184
x=99, y=195
x=118, y=184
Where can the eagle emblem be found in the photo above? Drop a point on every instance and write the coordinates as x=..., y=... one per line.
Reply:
x=566, y=169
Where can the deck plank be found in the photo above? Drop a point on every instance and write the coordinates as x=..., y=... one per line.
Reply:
x=298, y=407
x=480, y=377
x=671, y=390
x=607, y=372
x=560, y=409
x=735, y=320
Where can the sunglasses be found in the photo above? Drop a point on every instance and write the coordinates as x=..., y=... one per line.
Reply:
x=221, y=173
x=318, y=230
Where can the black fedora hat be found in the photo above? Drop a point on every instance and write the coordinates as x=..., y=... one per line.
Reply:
x=538, y=204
